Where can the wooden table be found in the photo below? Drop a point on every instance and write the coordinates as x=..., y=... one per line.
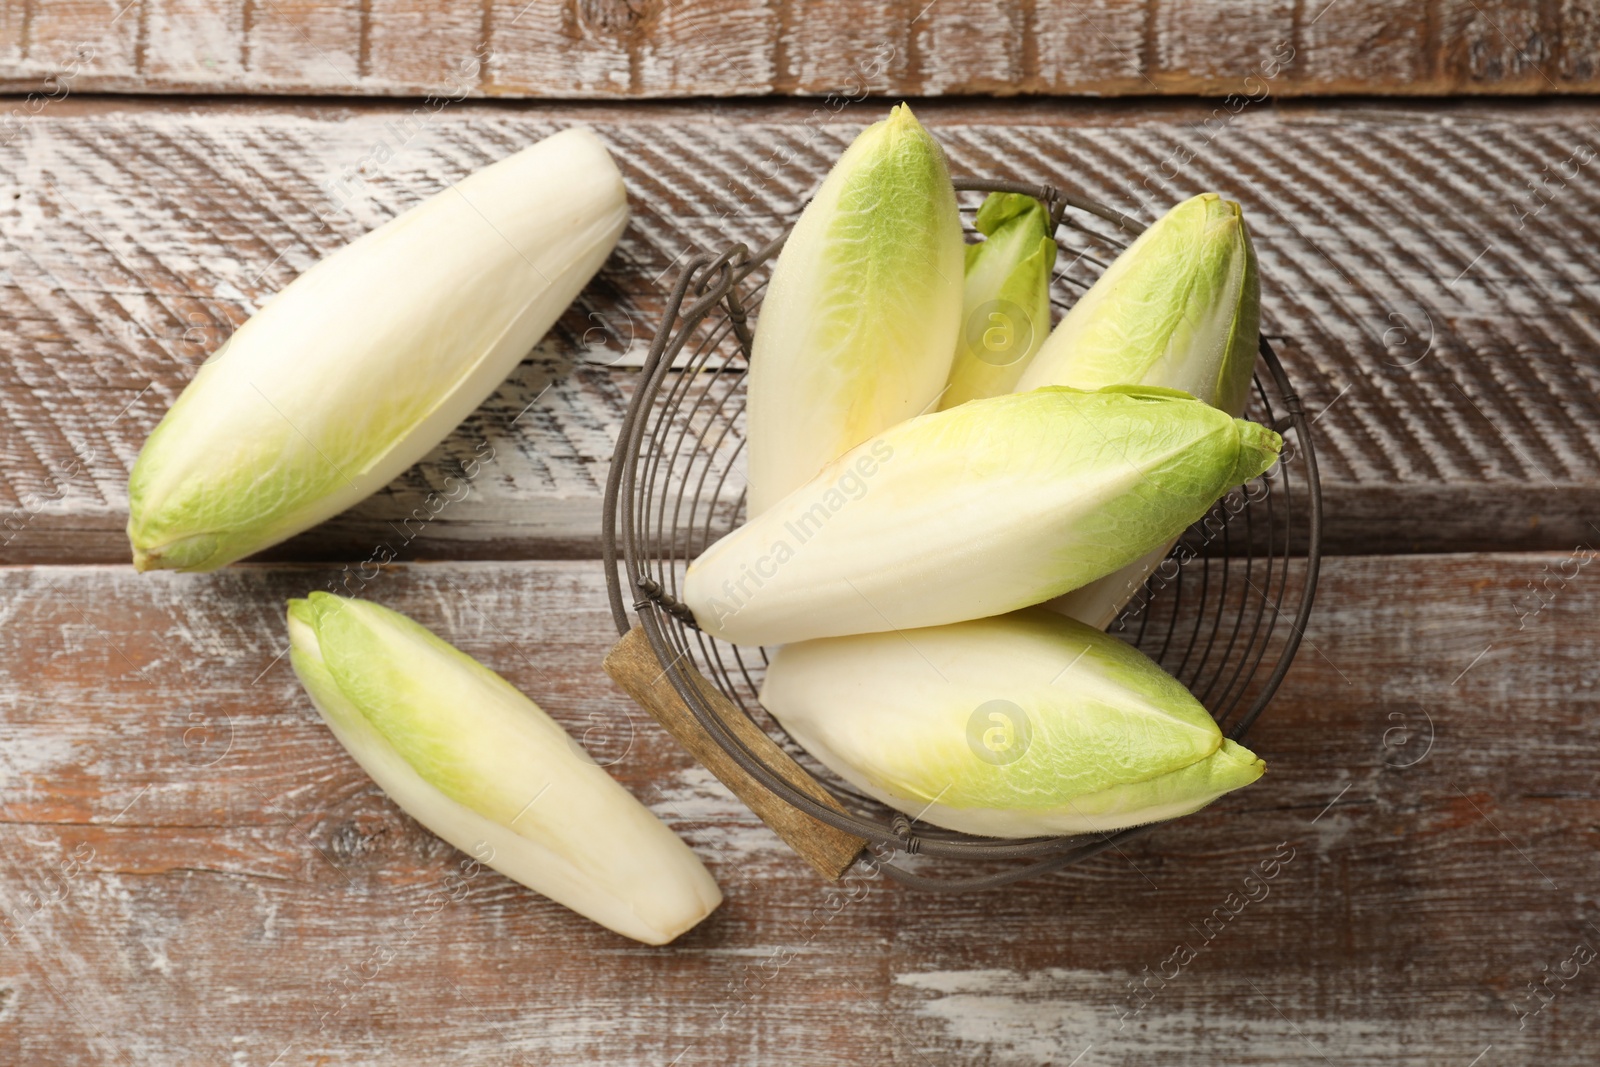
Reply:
x=191, y=869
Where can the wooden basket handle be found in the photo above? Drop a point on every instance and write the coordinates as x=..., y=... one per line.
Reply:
x=633, y=665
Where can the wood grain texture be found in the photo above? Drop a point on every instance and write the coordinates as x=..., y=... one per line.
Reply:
x=191, y=870
x=1429, y=282
x=615, y=49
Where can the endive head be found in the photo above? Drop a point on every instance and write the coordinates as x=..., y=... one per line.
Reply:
x=881, y=249
x=482, y=766
x=1179, y=308
x=858, y=325
x=1006, y=303
x=1020, y=724
x=979, y=510
x=367, y=360
x=883, y=230
x=891, y=174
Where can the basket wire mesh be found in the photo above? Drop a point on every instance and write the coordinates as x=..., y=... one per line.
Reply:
x=1224, y=613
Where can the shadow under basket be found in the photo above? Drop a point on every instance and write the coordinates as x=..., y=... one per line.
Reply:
x=1223, y=614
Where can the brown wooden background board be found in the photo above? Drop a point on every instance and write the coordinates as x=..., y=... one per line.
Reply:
x=191, y=869
x=656, y=48
x=1436, y=314
x=1431, y=765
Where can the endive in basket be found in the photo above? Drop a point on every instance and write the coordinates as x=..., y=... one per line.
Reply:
x=1021, y=725
x=366, y=361
x=482, y=766
x=1179, y=309
x=858, y=325
x=982, y=509
x=1005, y=313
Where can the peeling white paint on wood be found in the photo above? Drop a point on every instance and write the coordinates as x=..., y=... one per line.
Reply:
x=607, y=49
x=232, y=892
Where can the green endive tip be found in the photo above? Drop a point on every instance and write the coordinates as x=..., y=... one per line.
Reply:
x=1005, y=312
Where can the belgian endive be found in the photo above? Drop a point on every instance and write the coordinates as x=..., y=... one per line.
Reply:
x=858, y=325
x=366, y=361
x=1005, y=312
x=479, y=764
x=1026, y=724
x=1179, y=309
x=982, y=509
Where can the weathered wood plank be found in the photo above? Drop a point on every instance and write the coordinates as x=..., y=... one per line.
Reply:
x=1430, y=283
x=609, y=49
x=215, y=878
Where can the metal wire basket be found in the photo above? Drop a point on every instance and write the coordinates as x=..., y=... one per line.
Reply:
x=1224, y=613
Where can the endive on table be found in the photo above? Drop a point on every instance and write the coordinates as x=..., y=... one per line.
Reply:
x=983, y=509
x=1180, y=308
x=1005, y=312
x=858, y=325
x=1021, y=725
x=366, y=361
x=482, y=766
